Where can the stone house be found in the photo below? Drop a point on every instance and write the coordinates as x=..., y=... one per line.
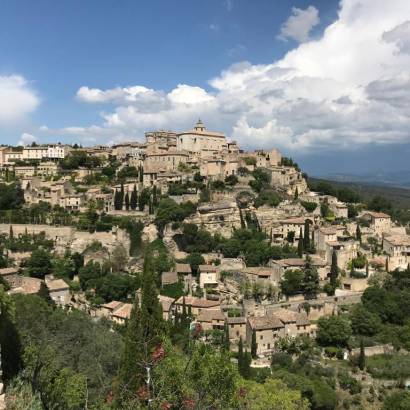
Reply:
x=398, y=249
x=166, y=161
x=197, y=304
x=262, y=274
x=208, y=275
x=237, y=328
x=379, y=222
x=354, y=284
x=211, y=319
x=59, y=290
x=122, y=313
x=268, y=330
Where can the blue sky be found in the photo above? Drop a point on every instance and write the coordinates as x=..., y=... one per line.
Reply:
x=50, y=49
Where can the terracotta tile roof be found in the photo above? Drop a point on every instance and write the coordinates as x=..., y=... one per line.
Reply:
x=265, y=322
x=183, y=268
x=397, y=240
x=124, y=312
x=57, y=284
x=198, y=302
x=112, y=305
x=208, y=268
x=166, y=302
x=236, y=320
x=258, y=271
x=377, y=214
x=210, y=315
x=169, y=278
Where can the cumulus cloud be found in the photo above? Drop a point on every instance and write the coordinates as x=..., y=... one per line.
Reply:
x=348, y=88
x=26, y=139
x=299, y=24
x=17, y=99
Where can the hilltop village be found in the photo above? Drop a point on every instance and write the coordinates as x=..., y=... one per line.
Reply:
x=242, y=247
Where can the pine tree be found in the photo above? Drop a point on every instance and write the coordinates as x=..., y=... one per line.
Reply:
x=133, y=200
x=254, y=346
x=362, y=356
x=127, y=201
x=306, y=237
x=300, y=244
x=358, y=234
x=334, y=271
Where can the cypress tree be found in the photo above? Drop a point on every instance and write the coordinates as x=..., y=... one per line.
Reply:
x=387, y=264
x=362, y=356
x=133, y=200
x=240, y=356
x=44, y=293
x=144, y=333
x=358, y=234
x=11, y=233
x=117, y=202
x=130, y=373
x=254, y=346
x=227, y=344
x=334, y=271
x=306, y=237
x=296, y=193
x=300, y=244
x=367, y=270
x=127, y=201
x=246, y=365
x=154, y=196
x=141, y=173
x=121, y=196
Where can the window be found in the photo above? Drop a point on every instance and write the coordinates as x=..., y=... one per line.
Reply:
x=261, y=337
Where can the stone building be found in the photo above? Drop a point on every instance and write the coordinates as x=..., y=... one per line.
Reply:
x=202, y=142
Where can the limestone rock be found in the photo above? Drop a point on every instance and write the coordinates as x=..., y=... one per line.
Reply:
x=149, y=233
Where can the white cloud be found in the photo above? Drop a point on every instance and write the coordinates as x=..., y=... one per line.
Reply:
x=27, y=139
x=299, y=24
x=348, y=88
x=213, y=27
x=228, y=4
x=17, y=99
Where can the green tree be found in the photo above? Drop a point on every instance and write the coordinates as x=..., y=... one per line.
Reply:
x=254, y=345
x=9, y=339
x=310, y=281
x=39, y=263
x=358, y=234
x=333, y=331
x=306, y=236
x=145, y=332
x=399, y=400
x=362, y=356
x=300, y=244
x=44, y=293
x=364, y=322
x=334, y=271
x=292, y=282
x=133, y=200
x=127, y=201
x=119, y=258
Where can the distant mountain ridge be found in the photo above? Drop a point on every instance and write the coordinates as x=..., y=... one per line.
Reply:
x=396, y=178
